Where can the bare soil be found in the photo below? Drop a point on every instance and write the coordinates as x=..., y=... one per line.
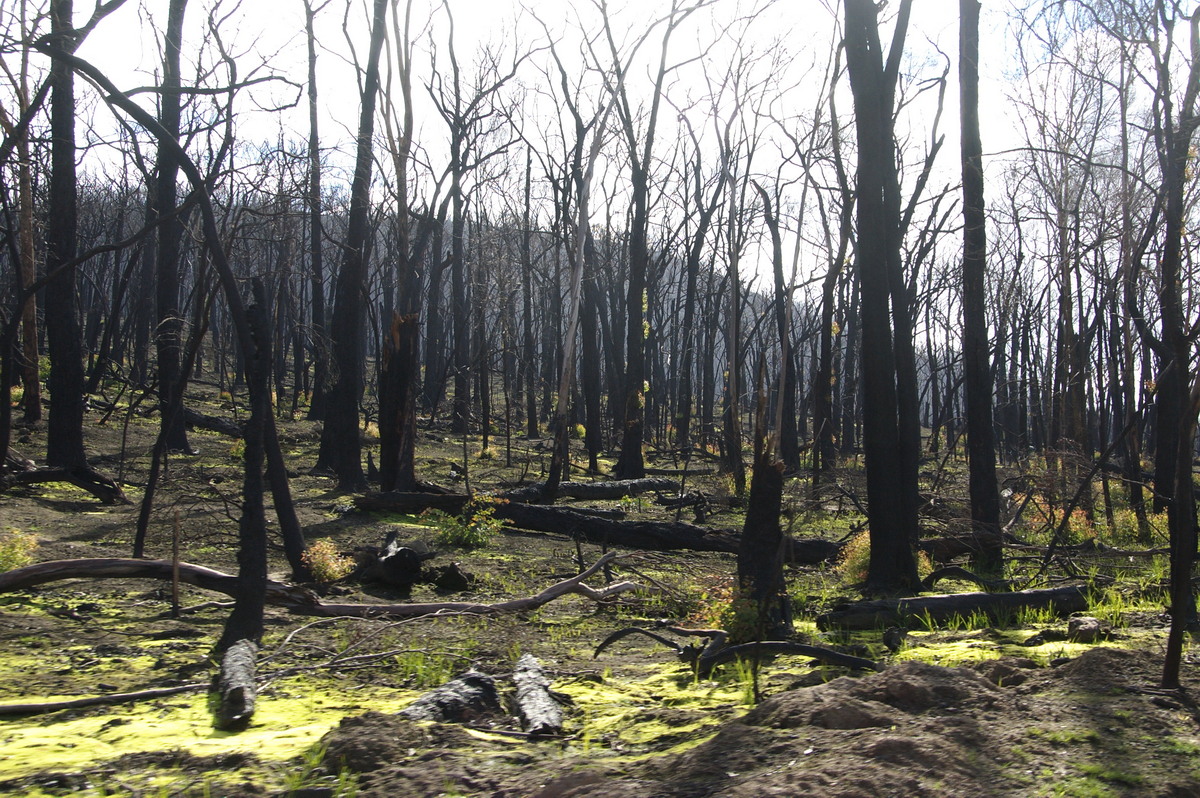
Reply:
x=1008, y=723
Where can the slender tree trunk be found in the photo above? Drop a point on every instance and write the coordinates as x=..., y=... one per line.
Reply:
x=64, y=439
x=31, y=402
x=168, y=338
x=891, y=478
x=341, y=446
x=318, y=342
x=789, y=445
x=981, y=446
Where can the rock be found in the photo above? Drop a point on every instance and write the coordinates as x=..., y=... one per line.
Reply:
x=1086, y=629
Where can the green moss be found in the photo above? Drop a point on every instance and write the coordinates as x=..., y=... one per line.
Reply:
x=290, y=717
x=951, y=649
x=667, y=710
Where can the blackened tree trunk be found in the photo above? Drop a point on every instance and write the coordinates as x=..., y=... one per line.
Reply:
x=1178, y=400
x=168, y=338
x=459, y=302
x=890, y=478
x=528, y=342
x=760, y=550
x=435, y=358
x=64, y=433
x=31, y=402
x=341, y=446
x=397, y=405
x=245, y=622
x=317, y=342
x=706, y=211
x=789, y=441
x=981, y=446
x=825, y=377
x=631, y=463
x=591, y=364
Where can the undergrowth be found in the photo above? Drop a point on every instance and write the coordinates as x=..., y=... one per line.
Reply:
x=473, y=528
x=16, y=549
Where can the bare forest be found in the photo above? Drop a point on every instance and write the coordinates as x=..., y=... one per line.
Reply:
x=589, y=398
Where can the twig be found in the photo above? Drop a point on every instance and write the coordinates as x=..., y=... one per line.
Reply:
x=44, y=707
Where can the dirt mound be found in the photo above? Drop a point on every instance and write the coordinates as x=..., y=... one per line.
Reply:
x=848, y=703
x=1090, y=727
x=376, y=740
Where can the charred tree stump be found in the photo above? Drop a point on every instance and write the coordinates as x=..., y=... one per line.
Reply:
x=540, y=711
x=470, y=697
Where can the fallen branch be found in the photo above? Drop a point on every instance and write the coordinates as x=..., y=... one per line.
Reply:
x=297, y=599
x=44, y=707
x=278, y=594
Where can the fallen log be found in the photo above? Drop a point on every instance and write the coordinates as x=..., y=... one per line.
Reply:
x=412, y=503
x=946, y=548
x=278, y=594
x=810, y=551
x=297, y=599
x=897, y=612
x=566, y=521
x=194, y=419
x=593, y=491
x=236, y=691
x=540, y=711
x=95, y=483
x=662, y=536
x=586, y=524
x=680, y=472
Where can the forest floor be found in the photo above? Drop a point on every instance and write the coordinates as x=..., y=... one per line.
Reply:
x=969, y=708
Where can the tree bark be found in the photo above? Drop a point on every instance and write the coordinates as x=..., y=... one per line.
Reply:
x=64, y=432
x=891, y=478
x=981, y=446
x=341, y=446
x=168, y=338
x=317, y=341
